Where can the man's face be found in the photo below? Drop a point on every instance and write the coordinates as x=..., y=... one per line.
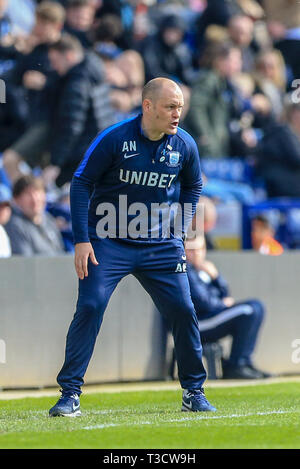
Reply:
x=230, y=65
x=5, y=212
x=81, y=18
x=58, y=61
x=172, y=36
x=32, y=202
x=44, y=30
x=166, y=109
x=241, y=31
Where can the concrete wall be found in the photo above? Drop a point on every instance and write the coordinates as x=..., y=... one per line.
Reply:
x=38, y=296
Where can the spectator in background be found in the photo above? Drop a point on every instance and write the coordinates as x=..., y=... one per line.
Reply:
x=215, y=13
x=240, y=29
x=5, y=213
x=131, y=67
x=32, y=83
x=105, y=35
x=80, y=15
x=82, y=107
x=270, y=78
x=124, y=69
x=278, y=153
x=32, y=230
x=220, y=13
x=209, y=113
x=125, y=10
x=262, y=237
x=165, y=54
x=283, y=20
x=220, y=315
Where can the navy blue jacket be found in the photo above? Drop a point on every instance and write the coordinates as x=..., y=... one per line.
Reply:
x=207, y=294
x=122, y=161
x=82, y=109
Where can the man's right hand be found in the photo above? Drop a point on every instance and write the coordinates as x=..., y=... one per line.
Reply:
x=84, y=251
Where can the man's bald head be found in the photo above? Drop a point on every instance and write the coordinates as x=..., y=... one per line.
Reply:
x=162, y=105
x=154, y=88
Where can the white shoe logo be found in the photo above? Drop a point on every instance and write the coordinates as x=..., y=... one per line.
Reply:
x=75, y=407
x=130, y=156
x=188, y=405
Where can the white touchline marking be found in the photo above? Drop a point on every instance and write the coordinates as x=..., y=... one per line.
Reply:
x=184, y=419
x=100, y=426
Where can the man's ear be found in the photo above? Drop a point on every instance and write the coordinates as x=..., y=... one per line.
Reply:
x=147, y=104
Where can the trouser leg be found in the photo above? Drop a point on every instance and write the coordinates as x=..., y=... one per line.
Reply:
x=170, y=293
x=242, y=322
x=169, y=289
x=94, y=294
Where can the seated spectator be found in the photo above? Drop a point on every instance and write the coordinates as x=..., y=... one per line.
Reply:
x=270, y=78
x=240, y=29
x=278, y=153
x=166, y=55
x=219, y=14
x=80, y=15
x=5, y=213
x=283, y=21
x=220, y=315
x=124, y=69
x=105, y=34
x=125, y=10
x=32, y=230
x=262, y=237
x=210, y=110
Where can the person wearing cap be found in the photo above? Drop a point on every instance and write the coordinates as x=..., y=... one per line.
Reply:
x=166, y=55
x=5, y=213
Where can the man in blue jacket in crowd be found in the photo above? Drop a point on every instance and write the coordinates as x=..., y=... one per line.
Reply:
x=220, y=315
x=143, y=165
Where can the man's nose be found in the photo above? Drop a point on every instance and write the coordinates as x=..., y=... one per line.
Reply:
x=176, y=113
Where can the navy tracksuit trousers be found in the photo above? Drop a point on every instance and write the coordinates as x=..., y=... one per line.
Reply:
x=156, y=267
x=242, y=322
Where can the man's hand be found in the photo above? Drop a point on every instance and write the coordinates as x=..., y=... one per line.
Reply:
x=228, y=301
x=84, y=251
x=210, y=269
x=34, y=80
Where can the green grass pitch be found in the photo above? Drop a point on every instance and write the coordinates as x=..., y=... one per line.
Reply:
x=261, y=416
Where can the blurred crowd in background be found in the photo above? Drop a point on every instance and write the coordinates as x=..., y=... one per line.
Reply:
x=73, y=67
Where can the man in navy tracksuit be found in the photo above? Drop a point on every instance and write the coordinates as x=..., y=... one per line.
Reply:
x=220, y=316
x=135, y=166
